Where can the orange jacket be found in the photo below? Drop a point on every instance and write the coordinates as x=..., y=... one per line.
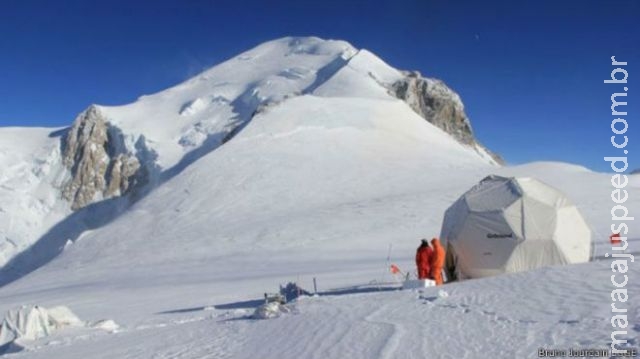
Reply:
x=437, y=262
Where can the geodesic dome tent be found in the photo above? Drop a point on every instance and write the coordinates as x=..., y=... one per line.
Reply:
x=505, y=225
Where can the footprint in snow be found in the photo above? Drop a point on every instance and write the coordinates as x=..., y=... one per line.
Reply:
x=429, y=299
x=527, y=321
x=452, y=306
x=570, y=322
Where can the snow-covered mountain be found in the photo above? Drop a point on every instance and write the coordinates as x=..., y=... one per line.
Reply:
x=299, y=159
x=131, y=149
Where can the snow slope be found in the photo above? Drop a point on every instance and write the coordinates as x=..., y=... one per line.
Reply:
x=184, y=296
x=279, y=181
x=29, y=203
x=504, y=317
x=322, y=183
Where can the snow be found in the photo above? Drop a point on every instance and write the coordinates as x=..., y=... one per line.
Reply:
x=217, y=238
x=30, y=162
x=325, y=184
x=106, y=324
x=270, y=311
x=417, y=283
x=521, y=313
x=365, y=75
x=227, y=93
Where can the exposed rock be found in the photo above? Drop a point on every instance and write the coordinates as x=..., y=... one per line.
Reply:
x=122, y=171
x=85, y=154
x=438, y=104
x=100, y=165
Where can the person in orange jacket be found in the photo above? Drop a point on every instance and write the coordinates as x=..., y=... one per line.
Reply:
x=424, y=256
x=437, y=262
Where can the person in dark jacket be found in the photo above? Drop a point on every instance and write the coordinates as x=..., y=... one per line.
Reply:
x=424, y=256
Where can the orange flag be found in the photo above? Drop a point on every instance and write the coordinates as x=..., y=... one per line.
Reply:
x=614, y=238
x=395, y=269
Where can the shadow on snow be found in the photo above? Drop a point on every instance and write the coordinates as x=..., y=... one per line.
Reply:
x=254, y=303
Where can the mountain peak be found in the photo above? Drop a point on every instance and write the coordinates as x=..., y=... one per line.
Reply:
x=294, y=91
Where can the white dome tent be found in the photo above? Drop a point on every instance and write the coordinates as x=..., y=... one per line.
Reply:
x=505, y=225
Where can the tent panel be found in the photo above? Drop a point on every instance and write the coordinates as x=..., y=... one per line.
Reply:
x=453, y=220
x=491, y=195
x=539, y=219
x=540, y=191
x=513, y=216
x=534, y=254
x=573, y=236
x=485, y=242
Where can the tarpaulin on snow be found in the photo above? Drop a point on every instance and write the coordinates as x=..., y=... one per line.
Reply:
x=33, y=322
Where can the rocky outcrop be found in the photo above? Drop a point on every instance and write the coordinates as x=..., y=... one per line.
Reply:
x=98, y=161
x=437, y=103
x=123, y=169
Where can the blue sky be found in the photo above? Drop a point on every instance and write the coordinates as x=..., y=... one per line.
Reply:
x=530, y=73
